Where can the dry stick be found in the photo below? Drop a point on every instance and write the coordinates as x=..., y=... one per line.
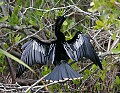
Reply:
x=97, y=33
x=17, y=54
x=12, y=71
x=47, y=85
x=107, y=53
x=86, y=67
x=28, y=37
x=35, y=84
x=81, y=11
x=43, y=10
x=15, y=28
x=109, y=43
x=87, y=78
x=25, y=81
x=115, y=43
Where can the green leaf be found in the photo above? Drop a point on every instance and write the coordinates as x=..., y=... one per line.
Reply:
x=17, y=9
x=117, y=80
x=1, y=69
x=1, y=3
x=3, y=19
x=13, y=20
x=17, y=38
x=16, y=59
x=5, y=45
x=112, y=1
x=46, y=70
x=32, y=23
x=103, y=76
x=99, y=23
x=88, y=72
x=104, y=63
x=65, y=23
x=74, y=66
x=94, y=67
x=114, y=36
x=2, y=59
x=98, y=86
x=118, y=46
x=77, y=81
x=116, y=50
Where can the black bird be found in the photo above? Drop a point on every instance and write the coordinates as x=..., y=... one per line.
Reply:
x=58, y=52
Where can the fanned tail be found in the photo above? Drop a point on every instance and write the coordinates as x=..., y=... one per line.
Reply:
x=62, y=72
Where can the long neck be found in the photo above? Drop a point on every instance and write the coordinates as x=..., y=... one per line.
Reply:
x=60, y=36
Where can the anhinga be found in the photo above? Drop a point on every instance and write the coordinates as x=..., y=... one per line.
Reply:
x=58, y=52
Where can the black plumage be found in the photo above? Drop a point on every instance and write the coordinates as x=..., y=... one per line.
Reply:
x=58, y=53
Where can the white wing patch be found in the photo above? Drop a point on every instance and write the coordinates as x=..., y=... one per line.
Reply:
x=38, y=47
x=79, y=41
x=73, y=48
x=52, y=48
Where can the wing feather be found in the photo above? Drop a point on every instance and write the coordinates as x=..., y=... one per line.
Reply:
x=80, y=47
x=36, y=51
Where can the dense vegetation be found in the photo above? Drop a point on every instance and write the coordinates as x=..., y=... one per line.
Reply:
x=22, y=19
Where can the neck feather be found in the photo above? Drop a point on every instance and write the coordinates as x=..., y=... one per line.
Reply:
x=60, y=36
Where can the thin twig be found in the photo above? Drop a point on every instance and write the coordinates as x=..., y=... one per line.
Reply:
x=35, y=84
x=41, y=87
x=28, y=37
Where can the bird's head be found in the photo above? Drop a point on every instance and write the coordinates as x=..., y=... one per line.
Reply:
x=60, y=20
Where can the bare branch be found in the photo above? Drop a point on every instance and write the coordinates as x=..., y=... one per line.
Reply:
x=14, y=27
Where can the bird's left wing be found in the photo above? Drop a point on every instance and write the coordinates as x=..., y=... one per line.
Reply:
x=80, y=47
x=36, y=52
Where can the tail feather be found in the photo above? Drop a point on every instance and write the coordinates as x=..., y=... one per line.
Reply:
x=73, y=74
x=62, y=72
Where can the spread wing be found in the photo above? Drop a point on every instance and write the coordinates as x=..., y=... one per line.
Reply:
x=36, y=51
x=79, y=47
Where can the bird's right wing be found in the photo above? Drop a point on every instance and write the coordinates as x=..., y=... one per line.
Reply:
x=80, y=47
x=36, y=51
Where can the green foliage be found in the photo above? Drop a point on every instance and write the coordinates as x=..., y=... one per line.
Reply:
x=77, y=81
x=3, y=19
x=75, y=66
x=16, y=59
x=46, y=70
x=94, y=67
x=14, y=19
x=32, y=23
x=2, y=63
x=104, y=63
x=55, y=87
x=1, y=3
x=99, y=24
x=114, y=36
x=117, y=80
x=109, y=13
x=68, y=24
x=38, y=3
x=17, y=38
x=116, y=50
